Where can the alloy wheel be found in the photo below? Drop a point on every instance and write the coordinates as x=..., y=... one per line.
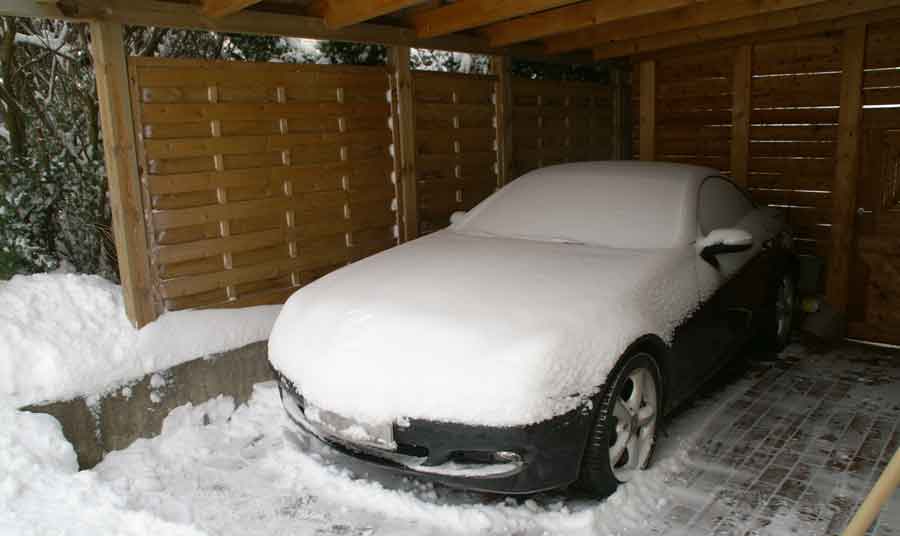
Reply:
x=633, y=426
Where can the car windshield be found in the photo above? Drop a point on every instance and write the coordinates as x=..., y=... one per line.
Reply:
x=602, y=204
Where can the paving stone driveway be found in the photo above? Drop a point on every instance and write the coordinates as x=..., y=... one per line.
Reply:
x=798, y=451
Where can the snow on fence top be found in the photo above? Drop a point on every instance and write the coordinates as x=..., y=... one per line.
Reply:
x=66, y=335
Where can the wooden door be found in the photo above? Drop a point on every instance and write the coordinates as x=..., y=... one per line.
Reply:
x=874, y=306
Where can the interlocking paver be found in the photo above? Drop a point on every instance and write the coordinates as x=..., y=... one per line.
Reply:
x=798, y=450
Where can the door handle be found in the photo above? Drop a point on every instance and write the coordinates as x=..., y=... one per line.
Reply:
x=863, y=211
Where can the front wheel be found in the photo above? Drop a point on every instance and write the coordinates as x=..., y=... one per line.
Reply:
x=624, y=432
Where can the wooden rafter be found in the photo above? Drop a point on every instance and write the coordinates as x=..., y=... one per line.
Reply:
x=550, y=22
x=691, y=16
x=223, y=8
x=811, y=19
x=190, y=16
x=568, y=19
x=465, y=14
x=343, y=13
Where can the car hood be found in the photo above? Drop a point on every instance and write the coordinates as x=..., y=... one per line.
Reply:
x=477, y=330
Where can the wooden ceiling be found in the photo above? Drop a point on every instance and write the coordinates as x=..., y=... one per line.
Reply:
x=565, y=30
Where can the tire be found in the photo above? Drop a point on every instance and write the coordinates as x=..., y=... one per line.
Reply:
x=778, y=318
x=602, y=469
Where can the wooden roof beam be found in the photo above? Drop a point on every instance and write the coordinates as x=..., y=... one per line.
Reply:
x=465, y=14
x=343, y=13
x=223, y=8
x=691, y=16
x=829, y=16
x=190, y=16
x=575, y=17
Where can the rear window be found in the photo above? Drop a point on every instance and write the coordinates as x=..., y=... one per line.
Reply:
x=591, y=205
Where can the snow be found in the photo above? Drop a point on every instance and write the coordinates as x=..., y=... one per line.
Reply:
x=727, y=237
x=248, y=473
x=66, y=335
x=42, y=492
x=627, y=204
x=485, y=330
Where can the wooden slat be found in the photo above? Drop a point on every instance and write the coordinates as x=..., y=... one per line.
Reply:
x=464, y=14
x=740, y=121
x=691, y=15
x=847, y=168
x=119, y=146
x=648, y=110
x=222, y=8
x=834, y=10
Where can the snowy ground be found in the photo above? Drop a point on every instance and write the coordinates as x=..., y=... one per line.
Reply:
x=250, y=474
x=786, y=447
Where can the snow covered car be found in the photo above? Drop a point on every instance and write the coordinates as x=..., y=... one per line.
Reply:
x=538, y=341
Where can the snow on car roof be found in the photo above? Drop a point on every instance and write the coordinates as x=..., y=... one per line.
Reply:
x=620, y=204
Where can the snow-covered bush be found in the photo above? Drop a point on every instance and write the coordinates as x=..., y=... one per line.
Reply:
x=55, y=215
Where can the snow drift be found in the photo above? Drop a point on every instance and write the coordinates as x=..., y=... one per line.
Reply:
x=66, y=335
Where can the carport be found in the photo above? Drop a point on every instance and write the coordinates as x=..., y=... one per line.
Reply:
x=234, y=184
x=219, y=199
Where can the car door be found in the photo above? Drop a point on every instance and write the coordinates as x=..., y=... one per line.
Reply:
x=723, y=318
x=724, y=289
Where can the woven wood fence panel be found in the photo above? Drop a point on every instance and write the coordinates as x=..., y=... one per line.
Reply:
x=258, y=178
x=556, y=122
x=456, y=144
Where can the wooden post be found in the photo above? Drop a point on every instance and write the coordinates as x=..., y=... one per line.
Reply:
x=122, y=171
x=405, y=122
x=648, y=110
x=621, y=111
x=501, y=66
x=881, y=492
x=847, y=168
x=740, y=114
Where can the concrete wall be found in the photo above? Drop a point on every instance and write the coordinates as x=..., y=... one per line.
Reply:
x=114, y=421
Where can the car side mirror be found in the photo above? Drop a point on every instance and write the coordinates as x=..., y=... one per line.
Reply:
x=457, y=216
x=722, y=241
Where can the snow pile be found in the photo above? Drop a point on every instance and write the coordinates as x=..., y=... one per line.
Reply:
x=475, y=325
x=476, y=330
x=248, y=473
x=637, y=205
x=66, y=335
x=42, y=492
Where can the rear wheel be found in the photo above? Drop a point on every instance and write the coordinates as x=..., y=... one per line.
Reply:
x=778, y=321
x=623, y=437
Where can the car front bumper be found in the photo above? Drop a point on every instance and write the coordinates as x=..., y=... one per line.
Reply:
x=507, y=460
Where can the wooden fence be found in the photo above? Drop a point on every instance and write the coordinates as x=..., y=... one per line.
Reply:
x=258, y=178
x=810, y=125
x=792, y=105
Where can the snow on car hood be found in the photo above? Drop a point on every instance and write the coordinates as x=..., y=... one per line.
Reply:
x=477, y=330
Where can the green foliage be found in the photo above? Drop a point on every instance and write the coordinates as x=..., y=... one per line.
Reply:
x=352, y=53
x=55, y=215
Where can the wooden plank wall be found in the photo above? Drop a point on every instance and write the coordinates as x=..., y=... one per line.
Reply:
x=795, y=98
x=794, y=101
x=456, y=144
x=555, y=122
x=693, y=109
x=258, y=178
